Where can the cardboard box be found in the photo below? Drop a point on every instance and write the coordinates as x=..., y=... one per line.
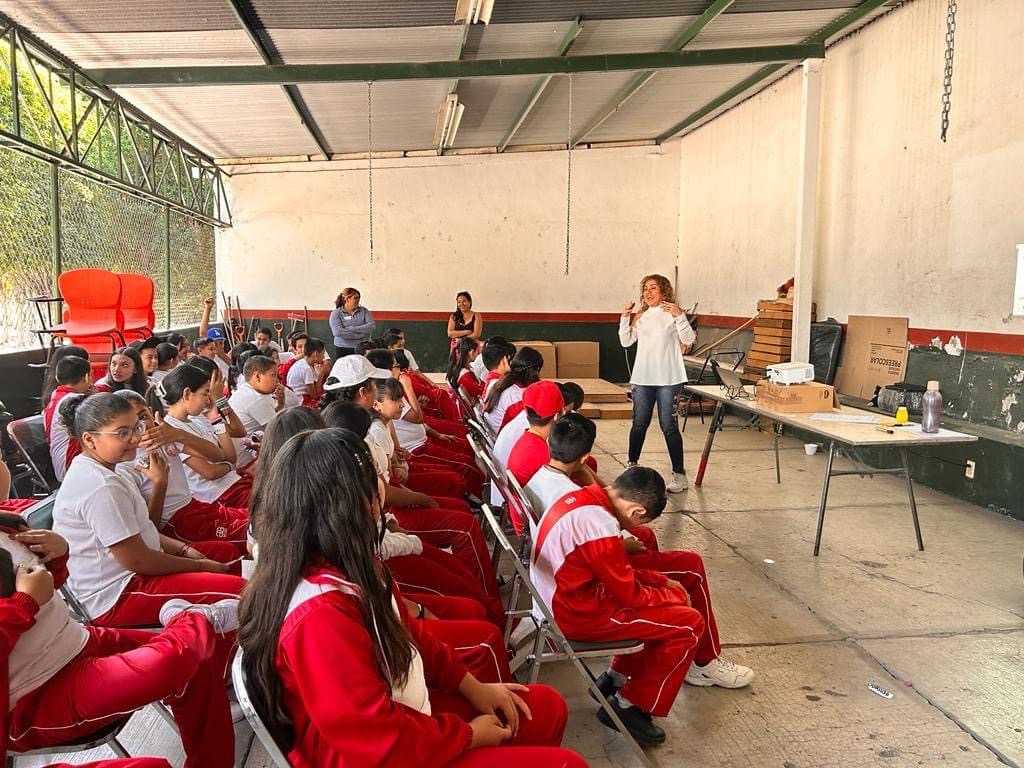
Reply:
x=874, y=354
x=547, y=350
x=578, y=359
x=809, y=397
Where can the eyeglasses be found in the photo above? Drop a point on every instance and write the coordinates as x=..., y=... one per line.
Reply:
x=124, y=434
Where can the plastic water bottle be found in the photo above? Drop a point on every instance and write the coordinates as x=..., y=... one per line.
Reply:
x=931, y=410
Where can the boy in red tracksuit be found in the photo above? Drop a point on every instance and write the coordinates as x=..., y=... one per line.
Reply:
x=597, y=592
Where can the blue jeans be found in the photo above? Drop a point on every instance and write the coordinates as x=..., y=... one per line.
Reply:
x=644, y=398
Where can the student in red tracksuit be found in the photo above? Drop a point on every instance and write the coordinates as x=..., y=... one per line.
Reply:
x=543, y=403
x=596, y=590
x=387, y=694
x=122, y=569
x=496, y=361
x=64, y=681
x=523, y=371
x=183, y=401
x=74, y=377
x=460, y=372
x=173, y=508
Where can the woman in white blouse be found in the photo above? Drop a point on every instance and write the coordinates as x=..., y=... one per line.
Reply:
x=658, y=329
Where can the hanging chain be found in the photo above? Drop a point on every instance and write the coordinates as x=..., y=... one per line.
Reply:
x=568, y=181
x=947, y=75
x=369, y=156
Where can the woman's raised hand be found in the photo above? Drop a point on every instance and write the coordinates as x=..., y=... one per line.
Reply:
x=628, y=308
x=672, y=309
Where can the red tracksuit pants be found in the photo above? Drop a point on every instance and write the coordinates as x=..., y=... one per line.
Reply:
x=200, y=521
x=435, y=481
x=121, y=670
x=446, y=427
x=536, y=744
x=478, y=644
x=438, y=452
x=455, y=530
x=238, y=494
x=438, y=573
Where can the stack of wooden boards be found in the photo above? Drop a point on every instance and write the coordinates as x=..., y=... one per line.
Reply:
x=604, y=400
x=773, y=331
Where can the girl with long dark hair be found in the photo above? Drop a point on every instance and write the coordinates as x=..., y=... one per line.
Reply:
x=124, y=371
x=464, y=323
x=460, y=371
x=388, y=693
x=508, y=391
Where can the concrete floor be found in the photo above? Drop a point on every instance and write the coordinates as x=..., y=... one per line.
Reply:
x=942, y=629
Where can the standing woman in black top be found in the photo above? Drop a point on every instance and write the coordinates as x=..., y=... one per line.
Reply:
x=464, y=323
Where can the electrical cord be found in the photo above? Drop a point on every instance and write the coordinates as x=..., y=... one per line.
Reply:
x=937, y=458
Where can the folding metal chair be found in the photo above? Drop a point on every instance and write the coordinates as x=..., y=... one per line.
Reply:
x=106, y=737
x=252, y=717
x=551, y=644
x=29, y=437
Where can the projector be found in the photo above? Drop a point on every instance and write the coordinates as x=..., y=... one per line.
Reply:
x=790, y=373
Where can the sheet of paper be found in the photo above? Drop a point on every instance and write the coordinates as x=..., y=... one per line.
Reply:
x=850, y=418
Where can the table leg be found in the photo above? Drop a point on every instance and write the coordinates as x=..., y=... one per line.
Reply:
x=778, y=469
x=913, y=503
x=715, y=421
x=824, y=497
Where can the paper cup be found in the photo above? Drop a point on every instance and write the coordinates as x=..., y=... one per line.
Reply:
x=810, y=448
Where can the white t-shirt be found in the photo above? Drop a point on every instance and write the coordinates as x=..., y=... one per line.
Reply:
x=291, y=399
x=511, y=395
x=659, y=358
x=94, y=510
x=504, y=444
x=253, y=408
x=285, y=356
x=47, y=646
x=381, y=435
x=178, y=494
x=413, y=365
x=546, y=487
x=203, y=489
x=478, y=367
x=301, y=377
x=224, y=368
x=410, y=436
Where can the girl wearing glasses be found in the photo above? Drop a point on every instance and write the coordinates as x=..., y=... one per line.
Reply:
x=122, y=568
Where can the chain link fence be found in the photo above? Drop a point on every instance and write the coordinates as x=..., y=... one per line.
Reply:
x=100, y=226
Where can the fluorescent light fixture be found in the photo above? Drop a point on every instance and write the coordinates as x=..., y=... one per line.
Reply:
x=474, y=11
x=449, y=116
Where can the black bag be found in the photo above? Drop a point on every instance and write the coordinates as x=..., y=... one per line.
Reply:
x=826, y=339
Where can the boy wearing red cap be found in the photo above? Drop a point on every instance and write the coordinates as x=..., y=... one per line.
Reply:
x=543, y=403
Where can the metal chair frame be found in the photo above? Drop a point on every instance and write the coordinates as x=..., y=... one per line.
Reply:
x=252, y=717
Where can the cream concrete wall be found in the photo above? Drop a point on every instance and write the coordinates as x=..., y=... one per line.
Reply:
x=494, y=225
x=907, y=225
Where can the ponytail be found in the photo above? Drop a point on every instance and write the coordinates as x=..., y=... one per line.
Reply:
x=459, y=360
x=171, y=388
x=525, y=370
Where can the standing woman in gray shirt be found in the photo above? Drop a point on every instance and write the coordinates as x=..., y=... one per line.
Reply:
x=351, y=324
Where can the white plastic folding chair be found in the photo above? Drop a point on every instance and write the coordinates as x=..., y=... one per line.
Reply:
x=252, y=717
x=551, y=644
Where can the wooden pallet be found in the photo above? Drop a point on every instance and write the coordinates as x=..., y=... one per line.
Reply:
x=599, y=391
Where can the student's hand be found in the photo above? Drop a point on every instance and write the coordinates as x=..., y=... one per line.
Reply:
x=394, y=527
x=628, y=308
x=634, y=546
x=445, y=438
x=427, y=501
x=36, y=582
x=401, y=454
x=673, y=584
x=498, y=699
x=158, y=436
x=400, y=473
x=279, y=394
x=488, y=732
x=423, y=400
x=46, y=545
x=157, y=469
x=212, y=566
x=208, y=302
x=672, y=309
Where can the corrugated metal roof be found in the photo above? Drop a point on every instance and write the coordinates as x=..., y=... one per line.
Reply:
x=120, y=15
x=355, y=46
x=354, y=14
x=492, y=106
x=752, y=29
x=567, y=10
x=155, y=49
x=496, y=41
x=630, y=35
x=404, y=113
x=228, y=121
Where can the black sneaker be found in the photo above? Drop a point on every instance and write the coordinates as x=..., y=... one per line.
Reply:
x=605, y=685
x=639, y=724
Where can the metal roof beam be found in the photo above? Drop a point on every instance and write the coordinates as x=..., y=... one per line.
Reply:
x=818, y=38
x=538, y=88
x=712, y=12
x=293, y=74
x=243, y=12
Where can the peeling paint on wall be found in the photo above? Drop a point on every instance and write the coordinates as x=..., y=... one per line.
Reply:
x=954, y=347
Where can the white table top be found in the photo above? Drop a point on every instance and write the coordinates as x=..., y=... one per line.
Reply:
x=848, y=433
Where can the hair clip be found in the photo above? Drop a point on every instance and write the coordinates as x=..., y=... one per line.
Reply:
x=160, y=391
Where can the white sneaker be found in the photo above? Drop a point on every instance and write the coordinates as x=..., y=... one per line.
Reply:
x=679, y=483
x=223, y=614
x=720, y=672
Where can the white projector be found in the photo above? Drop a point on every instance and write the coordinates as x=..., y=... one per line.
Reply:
x=790, y=373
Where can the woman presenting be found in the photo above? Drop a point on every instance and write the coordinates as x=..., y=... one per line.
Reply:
x=351, y=324
x=657, y=328
x=464, y=323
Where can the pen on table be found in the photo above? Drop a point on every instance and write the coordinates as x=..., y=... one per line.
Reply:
x=886, y=430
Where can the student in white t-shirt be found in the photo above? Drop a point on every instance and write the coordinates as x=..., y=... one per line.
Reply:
x=122, y=569
x=524, y=371
x=264, y=338
x=306, y=376
x=66, y=679
x=172, y=507
x=182, y=400
x=260, y=397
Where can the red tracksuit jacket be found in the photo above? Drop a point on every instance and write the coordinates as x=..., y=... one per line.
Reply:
x=580, y=567
x=342, y=708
